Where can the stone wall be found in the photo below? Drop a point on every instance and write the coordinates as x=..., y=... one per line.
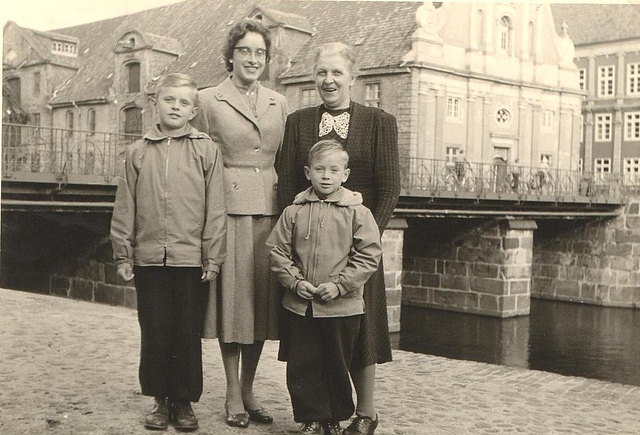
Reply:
x=469, y=265
x=594, y=262
x=392, y=246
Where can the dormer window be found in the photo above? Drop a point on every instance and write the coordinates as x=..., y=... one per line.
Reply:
x=64, y=48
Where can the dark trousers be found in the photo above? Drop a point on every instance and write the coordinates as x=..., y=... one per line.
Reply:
x=320, y=352
x=171, y=303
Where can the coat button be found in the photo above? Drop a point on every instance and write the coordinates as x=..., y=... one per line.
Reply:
x=257, y=169
x=275, y=187
x=234, y=185
x=257, y=150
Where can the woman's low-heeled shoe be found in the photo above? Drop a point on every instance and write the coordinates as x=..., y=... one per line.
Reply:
x=259, y=415
x=236, y=420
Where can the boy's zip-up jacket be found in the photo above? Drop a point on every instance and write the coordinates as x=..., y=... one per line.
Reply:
x=335, y=239
x=170, y=207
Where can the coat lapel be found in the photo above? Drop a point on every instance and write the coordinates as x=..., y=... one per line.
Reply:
x=229, y=93
x=356, y=127
x=264, y=101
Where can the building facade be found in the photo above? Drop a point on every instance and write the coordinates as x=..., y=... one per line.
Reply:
x=492, y=80
x=607, y=42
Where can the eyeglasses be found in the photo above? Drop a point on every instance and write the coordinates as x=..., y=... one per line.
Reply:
x=246, y=52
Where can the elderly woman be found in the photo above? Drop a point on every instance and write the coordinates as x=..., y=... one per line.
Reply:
x=370, y=136
x=247, y=121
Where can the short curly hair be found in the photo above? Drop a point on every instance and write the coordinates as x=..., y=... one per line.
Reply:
x=238, y=31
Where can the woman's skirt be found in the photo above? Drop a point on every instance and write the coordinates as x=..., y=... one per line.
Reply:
x=244, y=302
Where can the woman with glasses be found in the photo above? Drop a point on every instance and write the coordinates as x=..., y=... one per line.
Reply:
x=370, y=136
x=247, y=121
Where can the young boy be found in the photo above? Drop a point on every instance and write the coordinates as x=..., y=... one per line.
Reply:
x=323, y=249
x=168, y=234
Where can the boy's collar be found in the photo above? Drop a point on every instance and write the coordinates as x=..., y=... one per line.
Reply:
x=156, y=134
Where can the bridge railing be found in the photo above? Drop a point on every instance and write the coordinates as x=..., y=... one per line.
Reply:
x=431, y=176
x=33, y=149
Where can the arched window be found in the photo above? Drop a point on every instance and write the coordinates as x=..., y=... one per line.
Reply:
x=14, y=88
x=480, y=28
x=91, y=121
x=133, y=120
x=504, y=35
x=70, y=122
x=133, y=77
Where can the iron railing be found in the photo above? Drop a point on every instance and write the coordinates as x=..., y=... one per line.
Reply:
x=33, y=149
x=431, y=176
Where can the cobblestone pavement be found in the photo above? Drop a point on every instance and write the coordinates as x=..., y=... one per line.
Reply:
x=70, y=367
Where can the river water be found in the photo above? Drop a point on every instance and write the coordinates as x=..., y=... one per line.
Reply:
x=560, y=337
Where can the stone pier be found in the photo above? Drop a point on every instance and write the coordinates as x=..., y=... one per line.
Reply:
x=476, y=266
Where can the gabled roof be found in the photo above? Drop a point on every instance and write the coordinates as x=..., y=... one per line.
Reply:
x=381, y=30
x=594, y=23
x=41, y=42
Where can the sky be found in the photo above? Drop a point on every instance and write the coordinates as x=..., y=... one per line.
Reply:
x=55, y=14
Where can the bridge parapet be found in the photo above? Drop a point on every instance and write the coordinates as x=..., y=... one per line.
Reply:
x=433, y=177
x=32, y=153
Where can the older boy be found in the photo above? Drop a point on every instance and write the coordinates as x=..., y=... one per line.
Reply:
x=168, y=234
x=323, y=249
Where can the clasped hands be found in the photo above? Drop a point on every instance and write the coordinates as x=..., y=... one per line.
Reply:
x=327, y=291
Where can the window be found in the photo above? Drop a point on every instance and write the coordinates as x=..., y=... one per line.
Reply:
x=603, y=127
x=548, y=119
x=35, y=121
x=453, y=108
x=133, y=77
x=70, y=122
x=91, y=121
x=133, y=120
x=36, y=83
x=503, y=117
x=580, y=164
x=545, y=159
x=307, y=97
x=606, y=76
x=452, y=152
x=64, y=47
x=504, y=35
x=633, y=79
x=14, y=89
x=632, y=126
x=602, y=166
x=372, y=94
x=631, y=169
x=582, y=78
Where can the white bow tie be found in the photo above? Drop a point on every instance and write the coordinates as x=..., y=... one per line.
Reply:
x=338, y=123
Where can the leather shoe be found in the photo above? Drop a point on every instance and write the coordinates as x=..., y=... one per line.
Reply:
x=158, y=418
x=184, y=419
x=310, y=427
x=236, y=420
x=259, y=415
x=361, y=426
x=332, y=428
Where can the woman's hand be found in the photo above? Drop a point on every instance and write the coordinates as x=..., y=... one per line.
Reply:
x=208, y=276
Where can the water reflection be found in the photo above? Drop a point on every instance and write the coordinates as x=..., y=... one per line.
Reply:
x=565, y=338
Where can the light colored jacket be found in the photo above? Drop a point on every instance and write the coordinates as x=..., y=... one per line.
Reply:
x=248, y=143
x=170, y=207
x=331, y=240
